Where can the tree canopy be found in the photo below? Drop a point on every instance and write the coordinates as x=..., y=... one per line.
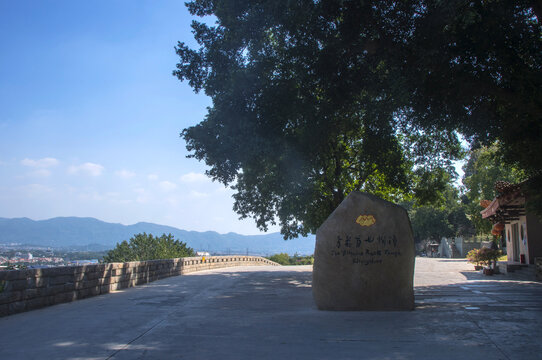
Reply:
x=148, y=247
x=314, y=99
x=285, y=259
x=446, y=217
x=483, y=168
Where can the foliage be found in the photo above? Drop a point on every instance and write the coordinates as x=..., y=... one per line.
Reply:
x=16, y=266
x=445, y=218
x=483, y=168
x=304, y=110
x=484, y=256
x=473, y=257
x=483, y=73
x=302, y=260
x=315, y=99
x=285, y=259
x=76, y=255
x=430, y=223
x=147, y=247
x=488, y=256
x=282, y=258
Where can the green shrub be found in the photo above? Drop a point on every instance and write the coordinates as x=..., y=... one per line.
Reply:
x=473, y=257
x=484, y=256
x=147, y=247
x=488, y=256
x=285, y=259
x=282, y=258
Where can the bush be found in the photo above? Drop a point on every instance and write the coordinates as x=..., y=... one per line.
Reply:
x=282, y=258
x=473, y=257
x=285, y=259
x=147, y=247
x=484, y=256
x=488, y=256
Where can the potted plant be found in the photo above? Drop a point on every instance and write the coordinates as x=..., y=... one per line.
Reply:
x=474, y=258
x=488, y=257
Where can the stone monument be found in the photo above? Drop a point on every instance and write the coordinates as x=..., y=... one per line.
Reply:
x=364, y=257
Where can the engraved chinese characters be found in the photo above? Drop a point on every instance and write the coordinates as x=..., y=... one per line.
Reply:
x=364, y=257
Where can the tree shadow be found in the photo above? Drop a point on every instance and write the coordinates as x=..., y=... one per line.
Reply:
x=271, y=314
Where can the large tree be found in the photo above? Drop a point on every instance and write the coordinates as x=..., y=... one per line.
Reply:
x=483, y=168
x=315, y=99
x=445, y=217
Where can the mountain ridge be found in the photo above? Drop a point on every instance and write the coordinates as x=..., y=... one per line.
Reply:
x=71, y=231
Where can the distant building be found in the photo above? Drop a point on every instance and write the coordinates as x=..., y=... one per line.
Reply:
x=202, y=253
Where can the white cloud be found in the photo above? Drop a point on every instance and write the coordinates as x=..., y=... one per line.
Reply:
x=224, y=189
x=41, y=173
x=167, y=185
x=40, y=163
x=193, y=177
x=125, y=174
x=172, y=201
x=198, y=195
x=91, y=196
x=32, y=190
x=142, y=199
x=87, y=168
x=152, y=177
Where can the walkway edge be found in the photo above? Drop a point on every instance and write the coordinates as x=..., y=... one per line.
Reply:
x=24, y=290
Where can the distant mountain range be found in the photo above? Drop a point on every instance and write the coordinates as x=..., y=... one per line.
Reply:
x=93, y=234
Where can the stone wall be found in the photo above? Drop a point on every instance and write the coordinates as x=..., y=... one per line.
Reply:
x=445, y=248
x=467, y=246
x=458, y=247
x=23, y=290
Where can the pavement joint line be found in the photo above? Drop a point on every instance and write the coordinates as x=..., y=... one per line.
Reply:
x=490, y=339
x=489, y=295
x=368, y=340
x=134, y=339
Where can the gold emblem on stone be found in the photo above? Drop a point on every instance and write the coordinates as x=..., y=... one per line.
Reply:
x=366, y=220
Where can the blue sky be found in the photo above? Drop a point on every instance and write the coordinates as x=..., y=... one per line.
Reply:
x=90, y=116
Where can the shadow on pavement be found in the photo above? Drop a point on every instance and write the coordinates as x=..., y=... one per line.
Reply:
x=271, y=315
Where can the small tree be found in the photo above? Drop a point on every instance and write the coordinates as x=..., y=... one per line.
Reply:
x=473, y=257
x=484, y=256
x=147, y=247
x=488, y=256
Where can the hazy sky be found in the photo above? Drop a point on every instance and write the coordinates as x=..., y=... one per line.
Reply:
x=90, y=116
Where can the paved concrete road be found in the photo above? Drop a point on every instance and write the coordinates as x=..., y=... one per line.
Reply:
x=268, y=313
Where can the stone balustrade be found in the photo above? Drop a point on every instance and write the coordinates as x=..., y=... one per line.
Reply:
x=23, y=290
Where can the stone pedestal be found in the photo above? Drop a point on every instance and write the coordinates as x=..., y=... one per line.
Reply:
x=364, y=257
